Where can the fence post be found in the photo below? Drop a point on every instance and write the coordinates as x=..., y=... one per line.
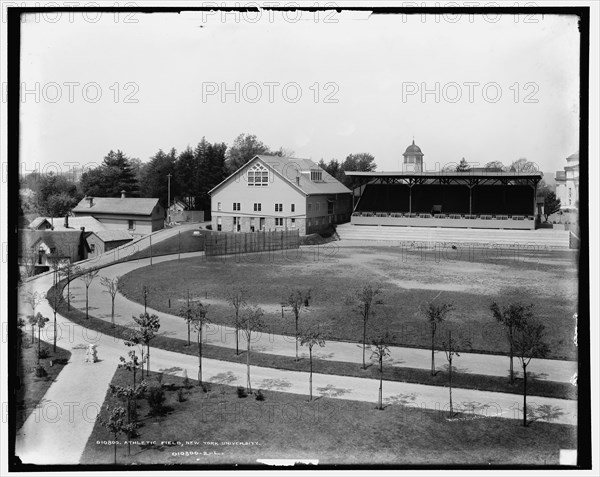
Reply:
x=179, y=241
x=150, y=249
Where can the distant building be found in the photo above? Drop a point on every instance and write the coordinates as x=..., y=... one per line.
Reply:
x=102, y=241
x=279, y=193
x=134, y=215
x=567, y=183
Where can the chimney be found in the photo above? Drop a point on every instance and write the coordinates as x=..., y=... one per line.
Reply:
x=297, y=180
x=90, y=200
x=66, y=221
x=82, y=229
x=123, y=194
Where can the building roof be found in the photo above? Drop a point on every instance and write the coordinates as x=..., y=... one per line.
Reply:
x=413, y=150
x=91, y=224
x=573, y=157
x=117, y=206
x=63, y=240
x=290, y=168
x=113, y=235
x=465, y=174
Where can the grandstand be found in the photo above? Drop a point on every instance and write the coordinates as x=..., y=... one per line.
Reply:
x=486, y=199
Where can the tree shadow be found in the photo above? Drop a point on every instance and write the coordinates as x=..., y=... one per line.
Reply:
x=402, y=399
x=331, y=391
x=275, y=384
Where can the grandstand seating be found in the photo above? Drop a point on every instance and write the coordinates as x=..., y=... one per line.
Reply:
x=538, y=239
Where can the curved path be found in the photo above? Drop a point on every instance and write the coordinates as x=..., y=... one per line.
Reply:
x=57, y=432
x=218, y=335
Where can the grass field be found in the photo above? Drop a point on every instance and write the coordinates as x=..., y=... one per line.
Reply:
x=209, y=427
x=408, y=279
x=33, y=388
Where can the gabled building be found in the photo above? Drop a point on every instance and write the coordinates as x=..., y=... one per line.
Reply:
x=138, y=216
x=279, y=193
x=101, y=241
x=39, y=244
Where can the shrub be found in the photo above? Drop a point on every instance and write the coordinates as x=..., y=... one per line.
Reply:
x=43, y=354
x=159, y=378
x=260, y=396
x=241, y=392
x=180, y=397
x=40, y=372
x=186, y=380
x=156, y=398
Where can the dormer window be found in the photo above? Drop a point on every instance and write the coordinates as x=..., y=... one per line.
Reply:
x=258, y=176
x=316, y=175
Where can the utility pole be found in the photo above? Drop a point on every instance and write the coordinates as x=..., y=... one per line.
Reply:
x=169, y=197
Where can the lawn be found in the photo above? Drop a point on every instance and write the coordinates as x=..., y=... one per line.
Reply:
x=408, y=280
x=32, y=388
x=183, y=242
x=217, y=427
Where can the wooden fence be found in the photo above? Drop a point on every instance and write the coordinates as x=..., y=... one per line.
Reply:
x=224, y=243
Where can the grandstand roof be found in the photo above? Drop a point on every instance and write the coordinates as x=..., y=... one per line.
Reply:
x=465, y=174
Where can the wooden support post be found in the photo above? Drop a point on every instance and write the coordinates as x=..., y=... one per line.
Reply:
x=410, y=199
x=470, y=200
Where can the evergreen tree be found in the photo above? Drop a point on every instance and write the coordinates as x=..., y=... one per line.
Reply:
x=116, y=173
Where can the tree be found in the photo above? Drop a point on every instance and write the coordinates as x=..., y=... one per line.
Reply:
x=297, y=300
x=186, y=312
x=29, y=262
x=551, y=205
x=148, y=326
x=199, y=319
x=185, y=176
x=436, y=314
x=53, y=194
x=129, y=394
x=33, y=299
x=67, y=271
x=363, y=162
x=496, y=165
x=251, y=319
x=154, y=182
x=380, y=350
x=311, y=338
x=529, y=343
x=511, y=317
x=55, y=299
x=116, y=173
x=40, y=321
x=237, y=298
x=244, y=148
x=333, y=168
x=88, y=278
x=112, y=288
x=523, y=165
x=451, y=348
x=115, y=424
x=463, y=166
x=367, y=299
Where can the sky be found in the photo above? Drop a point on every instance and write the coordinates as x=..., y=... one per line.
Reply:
x=482, y=88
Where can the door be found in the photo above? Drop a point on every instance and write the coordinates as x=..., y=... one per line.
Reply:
x=262, y=223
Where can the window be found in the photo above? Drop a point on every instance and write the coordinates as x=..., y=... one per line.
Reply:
x=252, y=224
x=131, y=225
x=310, y=207
x=92, y=248
x=316, y=175
x=293, y=223
x=258, y=176
x=257, y=207
x=293, y=207
x=318, y=206
x=330, y=207
x=219, y=224
x=236, y=206
x=237, y=224
x=278, y=222
x=278, y=207
x=569, y=192
x=218, y=205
